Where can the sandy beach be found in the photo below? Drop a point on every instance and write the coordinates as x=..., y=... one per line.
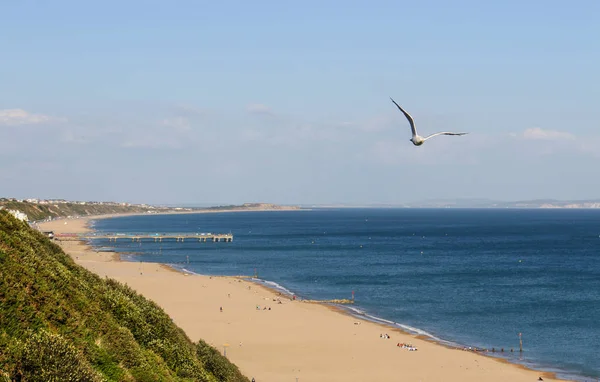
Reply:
x=293, y=340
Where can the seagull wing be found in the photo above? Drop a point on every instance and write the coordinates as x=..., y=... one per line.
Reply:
x=442, y=133
x=410, y=119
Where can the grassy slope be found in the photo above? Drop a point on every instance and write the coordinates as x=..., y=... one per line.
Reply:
x=60, y=322
x=43, y=211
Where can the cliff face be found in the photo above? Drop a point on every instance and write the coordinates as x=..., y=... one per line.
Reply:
x=60, y=322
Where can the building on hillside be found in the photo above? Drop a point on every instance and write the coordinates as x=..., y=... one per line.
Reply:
x=19, y=215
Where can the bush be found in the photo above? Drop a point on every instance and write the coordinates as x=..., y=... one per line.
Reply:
x=49, y=357
x=218, y=365
x=60, y=322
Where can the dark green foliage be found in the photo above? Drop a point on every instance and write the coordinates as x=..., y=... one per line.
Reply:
x=216, y=364
x=49, y=357
x=60, y=322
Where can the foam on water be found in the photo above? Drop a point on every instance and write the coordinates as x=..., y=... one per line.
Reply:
x=358, y=313
x=273, y=285
x=182, y=268
x=129, y=257
x=420, y=332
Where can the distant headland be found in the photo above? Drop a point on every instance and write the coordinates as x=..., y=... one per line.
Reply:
x=42, y=209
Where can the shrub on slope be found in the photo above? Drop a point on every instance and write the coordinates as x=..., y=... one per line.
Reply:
x=60, y=322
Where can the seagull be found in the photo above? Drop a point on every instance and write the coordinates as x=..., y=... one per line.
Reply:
x=416, y=139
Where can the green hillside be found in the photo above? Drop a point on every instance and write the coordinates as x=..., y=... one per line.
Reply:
x=36, y=211
x=60, y=322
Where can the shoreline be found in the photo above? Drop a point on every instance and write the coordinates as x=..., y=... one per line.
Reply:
x=503, y=368
x=91, y=218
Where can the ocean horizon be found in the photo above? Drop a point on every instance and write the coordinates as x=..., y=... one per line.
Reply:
x=464, y=277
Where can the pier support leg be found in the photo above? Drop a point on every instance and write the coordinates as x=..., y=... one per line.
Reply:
x=520, y=343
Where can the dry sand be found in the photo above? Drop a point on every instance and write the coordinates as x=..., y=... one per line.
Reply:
x=295, y=339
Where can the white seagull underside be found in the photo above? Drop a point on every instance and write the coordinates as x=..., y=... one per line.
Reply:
x=416, y=139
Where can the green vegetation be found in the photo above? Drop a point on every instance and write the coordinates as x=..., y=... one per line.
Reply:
x=36, y=211
x=60, y=322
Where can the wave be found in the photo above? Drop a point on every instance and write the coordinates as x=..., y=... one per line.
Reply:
x=128, y=257
x=426, y=334
x=182, y=268
x=359, y=313
x=273, y=285
x=356, y=310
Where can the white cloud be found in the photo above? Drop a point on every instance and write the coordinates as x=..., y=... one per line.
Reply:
x=14, y=117
x=550, y=142
x=537, y=133
x=179, y=123
x=258, y=108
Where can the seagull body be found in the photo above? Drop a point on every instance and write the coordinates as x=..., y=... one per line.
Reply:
x=416, y=139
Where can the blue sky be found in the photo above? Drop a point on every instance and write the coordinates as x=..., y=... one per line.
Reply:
x=287, y=102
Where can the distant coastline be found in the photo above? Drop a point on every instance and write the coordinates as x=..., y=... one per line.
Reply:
x=37, y=210
x=475, y=203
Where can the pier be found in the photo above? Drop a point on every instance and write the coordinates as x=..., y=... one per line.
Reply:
x=156, y=238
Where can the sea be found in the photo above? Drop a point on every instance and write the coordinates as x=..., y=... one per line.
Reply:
x=484, y=278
